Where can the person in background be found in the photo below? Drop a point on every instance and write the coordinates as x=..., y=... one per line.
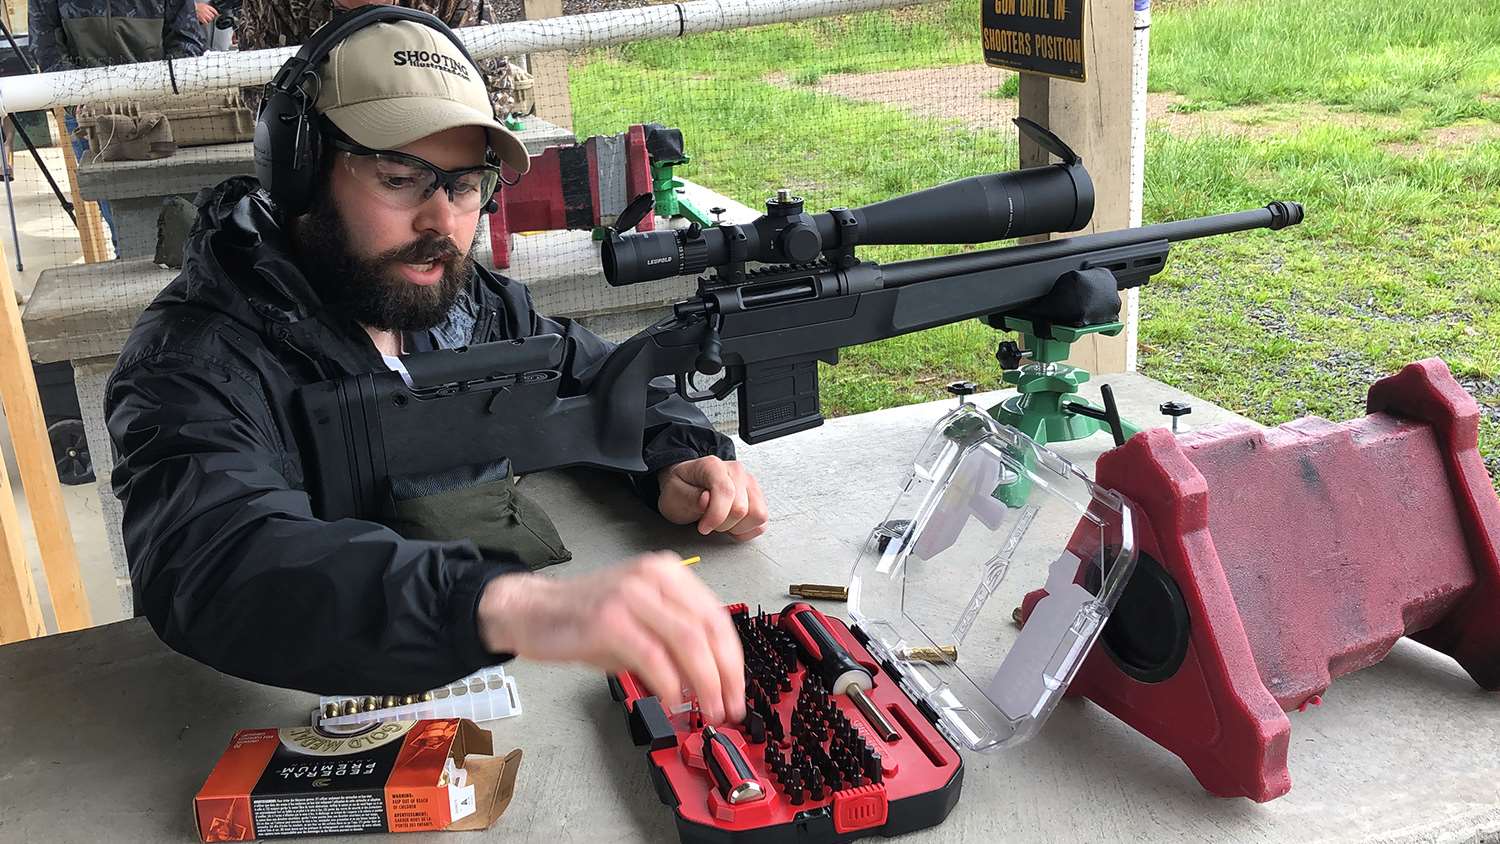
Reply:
x=206, y=13
x=71, y=34
x=219, y=19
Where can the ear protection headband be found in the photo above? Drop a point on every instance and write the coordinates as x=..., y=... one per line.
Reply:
x=288, y=140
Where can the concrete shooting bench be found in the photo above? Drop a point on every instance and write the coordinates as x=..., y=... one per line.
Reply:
x=1405, y=751
x=84, y=312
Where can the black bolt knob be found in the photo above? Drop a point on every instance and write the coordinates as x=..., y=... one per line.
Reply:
x=962, y=389
x=717, y=212
x=1176, y=410
x=1010, y=355
x=710, y=360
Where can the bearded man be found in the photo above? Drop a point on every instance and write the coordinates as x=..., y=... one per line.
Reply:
x=228, y=559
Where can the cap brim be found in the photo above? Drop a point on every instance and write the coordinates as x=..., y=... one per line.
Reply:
x=394, y=123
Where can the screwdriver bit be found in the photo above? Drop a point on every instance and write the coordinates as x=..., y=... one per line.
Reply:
x=757, y=727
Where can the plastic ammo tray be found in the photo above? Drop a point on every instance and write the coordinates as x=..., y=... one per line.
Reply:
x=985, y=516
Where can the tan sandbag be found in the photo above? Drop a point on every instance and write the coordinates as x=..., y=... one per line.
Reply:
x=126, y=137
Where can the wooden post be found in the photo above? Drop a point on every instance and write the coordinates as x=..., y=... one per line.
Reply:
x=1094, y=118
x=20, y=611
x=90, y=222
x=549, y=71
x=28, y=433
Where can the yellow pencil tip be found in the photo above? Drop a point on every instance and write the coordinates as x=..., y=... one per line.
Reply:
x=691, y=561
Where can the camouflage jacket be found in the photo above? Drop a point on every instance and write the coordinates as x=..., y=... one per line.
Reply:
x=67, y=34
x=262, y=24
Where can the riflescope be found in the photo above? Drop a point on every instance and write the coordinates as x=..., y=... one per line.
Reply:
x=980, y=209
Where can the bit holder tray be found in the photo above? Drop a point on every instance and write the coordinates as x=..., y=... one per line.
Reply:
x=823, y=770
x=485, y=695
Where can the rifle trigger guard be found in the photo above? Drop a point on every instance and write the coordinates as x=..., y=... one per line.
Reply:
x=687, y=388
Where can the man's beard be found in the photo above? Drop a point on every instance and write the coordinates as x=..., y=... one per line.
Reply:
x=372, y=291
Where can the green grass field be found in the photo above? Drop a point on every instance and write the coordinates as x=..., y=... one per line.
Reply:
x=1399, y=258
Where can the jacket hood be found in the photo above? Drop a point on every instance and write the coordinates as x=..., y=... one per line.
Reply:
x=238, y=257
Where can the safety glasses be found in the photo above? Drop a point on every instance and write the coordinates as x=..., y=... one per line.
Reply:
x=406, y=181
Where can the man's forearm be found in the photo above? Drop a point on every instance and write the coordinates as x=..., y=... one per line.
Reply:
x=319, y=616
x=509, y=601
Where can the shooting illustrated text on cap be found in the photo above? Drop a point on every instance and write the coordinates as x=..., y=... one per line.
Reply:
x=393, y=83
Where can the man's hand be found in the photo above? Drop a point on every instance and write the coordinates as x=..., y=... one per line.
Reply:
x=720, y=495
x=650, y=616
x=205, y=12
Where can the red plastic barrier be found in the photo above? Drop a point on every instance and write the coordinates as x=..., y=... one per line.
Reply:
x=1302, y=553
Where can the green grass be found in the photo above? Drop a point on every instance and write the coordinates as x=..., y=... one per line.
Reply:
x=1399, y=258
x=1374, y=57
x=1008, y=89
x=1379, y=57
x=1396, y=262
x=934, y=35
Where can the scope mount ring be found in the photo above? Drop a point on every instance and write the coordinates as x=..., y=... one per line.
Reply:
x=840, y=255
x=736, y=253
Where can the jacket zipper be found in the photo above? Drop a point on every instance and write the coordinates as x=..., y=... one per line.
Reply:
x=282, y=333
x=485, y=327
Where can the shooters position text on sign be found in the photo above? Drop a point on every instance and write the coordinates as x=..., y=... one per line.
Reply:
x=1040, y=36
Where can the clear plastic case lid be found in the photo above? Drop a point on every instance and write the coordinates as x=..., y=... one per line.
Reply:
x=986, y=516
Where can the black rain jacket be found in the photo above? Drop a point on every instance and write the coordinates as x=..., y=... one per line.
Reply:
x=227, y=560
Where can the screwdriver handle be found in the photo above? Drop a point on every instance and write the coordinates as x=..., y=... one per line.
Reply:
x=837, y=668
x=730, y=771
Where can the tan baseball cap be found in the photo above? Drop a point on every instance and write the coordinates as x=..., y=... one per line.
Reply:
x=392, y=83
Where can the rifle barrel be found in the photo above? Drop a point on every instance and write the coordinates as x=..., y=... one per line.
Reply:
x=1276, y=215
